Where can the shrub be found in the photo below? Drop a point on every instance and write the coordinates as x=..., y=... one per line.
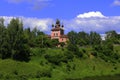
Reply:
x=75, y=50
x=55, y=59
x=15, y=72
x=44, y=73
x=1, y=75
x=23, y=77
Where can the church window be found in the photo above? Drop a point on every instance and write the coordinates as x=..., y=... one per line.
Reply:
x=56, y=34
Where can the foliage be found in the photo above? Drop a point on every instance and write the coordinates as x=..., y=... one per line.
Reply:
x=74, y=49
x=57, y=58
x=72, y=37
x=62, y=44
x=14, y=44
x=48, y=62
x=106, y=52
x=95, y=38
x=83, y=39
x=113, y=37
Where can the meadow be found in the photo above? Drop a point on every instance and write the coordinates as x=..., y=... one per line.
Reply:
x=27, y=54
x=39, y=68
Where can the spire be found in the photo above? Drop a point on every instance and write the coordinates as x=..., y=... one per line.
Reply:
x=62, y=26
x=52, y=25
x=57, y=21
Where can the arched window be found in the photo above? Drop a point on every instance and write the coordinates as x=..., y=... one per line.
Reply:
x=56, y=34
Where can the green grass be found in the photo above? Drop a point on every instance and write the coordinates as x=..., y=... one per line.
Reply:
x=93, y=67
x=14, y=69
x=38, y=65
x=117, y=48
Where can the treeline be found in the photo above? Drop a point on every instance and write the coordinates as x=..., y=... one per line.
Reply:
x=15, y=41
x=79, y=43
x=84, y=39
x=93, y=38
x=103, y=49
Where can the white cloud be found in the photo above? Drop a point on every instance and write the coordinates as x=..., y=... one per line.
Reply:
x=116, y=3
x=33, y=4
x=103, y=36
x=98, y=24
x=41, y=24
x=91, y=14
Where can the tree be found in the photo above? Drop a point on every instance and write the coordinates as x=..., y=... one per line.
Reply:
x=27, y=34
x=72, y=37
x=42, y=41
x=19, y=48
x=106, y=52
x=83, y=39
x=112, y=36
x=62, y=44
x=74, y=49
x=54, y=42
x=95, y=38
x=4, y=45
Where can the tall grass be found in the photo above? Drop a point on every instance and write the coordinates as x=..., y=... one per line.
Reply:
x=38, y=68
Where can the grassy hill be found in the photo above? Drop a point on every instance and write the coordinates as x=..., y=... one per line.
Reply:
x=39, y=68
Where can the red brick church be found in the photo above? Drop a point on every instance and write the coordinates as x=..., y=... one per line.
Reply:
x=57, y=32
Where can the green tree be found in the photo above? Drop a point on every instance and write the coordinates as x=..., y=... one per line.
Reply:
x=54, y=42
x=112, y=36
x=74, y=49
x=95, y=38
x=27, y=34
x=72, y=37
x=4, y=45
x=106, y=52
x=18, y=43
x=83, y=39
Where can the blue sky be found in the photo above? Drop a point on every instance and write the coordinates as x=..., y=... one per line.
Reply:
x=77, y=15
x=64, y=9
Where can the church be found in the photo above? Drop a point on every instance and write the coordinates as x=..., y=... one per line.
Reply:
x=57, y=32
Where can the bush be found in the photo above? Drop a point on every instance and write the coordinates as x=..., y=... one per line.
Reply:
x=1, y=75
x=55, y=59
x=68, y=55
x=23, y=77
x=75, y=50
x=62, y=44
x=37, y=51
x=15, y=72
x=43, y=73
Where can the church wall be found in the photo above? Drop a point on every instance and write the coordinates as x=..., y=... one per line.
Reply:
x=55, y=34
x=62, y=39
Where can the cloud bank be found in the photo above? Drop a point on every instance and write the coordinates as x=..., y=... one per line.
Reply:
x=41, y=24
x=94, y=21
x=91, y=21
x=33, y=4
x=116, y=3
x=91, y=15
